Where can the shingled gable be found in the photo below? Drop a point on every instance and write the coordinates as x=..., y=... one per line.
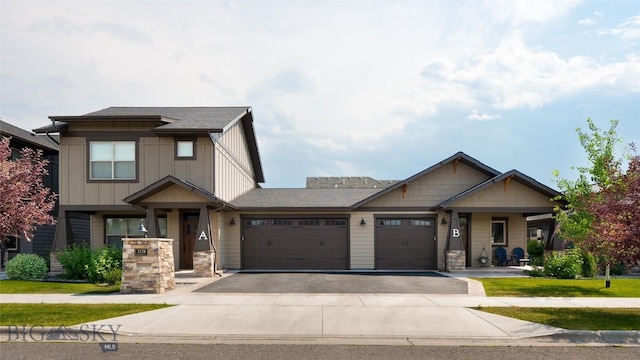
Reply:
x=176, y=121
x=165, y=183
x=512, y=175
x=457, y=157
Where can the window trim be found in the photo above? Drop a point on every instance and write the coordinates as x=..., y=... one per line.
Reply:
x=505, y=228
x=137, y=219
x=136, y=165
x=175, y=146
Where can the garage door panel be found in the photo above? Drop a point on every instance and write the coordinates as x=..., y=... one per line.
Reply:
x=405, y=244
x=296, y=244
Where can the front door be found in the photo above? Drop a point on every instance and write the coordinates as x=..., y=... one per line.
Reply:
x=189, y=236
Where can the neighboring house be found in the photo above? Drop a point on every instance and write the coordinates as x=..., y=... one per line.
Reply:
x=193, y=174
x=42, y=241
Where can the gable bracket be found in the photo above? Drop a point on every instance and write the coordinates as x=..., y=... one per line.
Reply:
x=455, y=165
x=404, y=190
x=506, y=183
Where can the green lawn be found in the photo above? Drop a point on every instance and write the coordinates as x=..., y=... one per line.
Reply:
x=67, y=314
x=546, y=287
x=574, y=318
x=48, y=287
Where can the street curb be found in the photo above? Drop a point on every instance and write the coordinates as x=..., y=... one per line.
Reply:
x=612, y=337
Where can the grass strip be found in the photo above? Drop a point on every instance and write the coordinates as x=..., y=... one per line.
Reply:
x=574, y=318
x=545, y=287
x=67, y=314
x=50, y=287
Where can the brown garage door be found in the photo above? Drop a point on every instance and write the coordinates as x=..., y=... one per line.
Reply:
x=295, y=244
x=405, y=244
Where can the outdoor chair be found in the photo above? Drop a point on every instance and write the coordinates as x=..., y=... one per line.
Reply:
x=518, y=257
x=501, y=255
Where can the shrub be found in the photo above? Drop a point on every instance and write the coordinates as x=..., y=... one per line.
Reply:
x=535, y=249
x=103, y=264
x=535, y=272
x=563, y=266
x=113, y=276
x=589, y=264
x=618, y=269
x=75, y=260
x=27, y=267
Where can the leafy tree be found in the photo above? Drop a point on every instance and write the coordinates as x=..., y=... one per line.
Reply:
x=603, y=215
x=26, y=203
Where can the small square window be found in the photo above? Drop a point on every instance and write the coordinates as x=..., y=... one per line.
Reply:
x=185, y=149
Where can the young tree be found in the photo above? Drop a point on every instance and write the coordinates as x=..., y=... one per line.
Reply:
x=616, y=224
x=602, y=216
x=25, y=203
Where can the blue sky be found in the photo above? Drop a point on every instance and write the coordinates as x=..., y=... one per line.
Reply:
x=360, y=88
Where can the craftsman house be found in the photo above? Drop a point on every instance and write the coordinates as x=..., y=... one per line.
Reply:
x=193, y=174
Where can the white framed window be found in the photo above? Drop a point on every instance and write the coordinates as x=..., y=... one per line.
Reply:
x=185, y=149
x=112, y=160
x=499, y=231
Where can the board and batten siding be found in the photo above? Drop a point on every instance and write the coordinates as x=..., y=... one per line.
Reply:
x=234, y=171
x=156, y=160
x=432, y=188
x=229, y=245
x=362, y=241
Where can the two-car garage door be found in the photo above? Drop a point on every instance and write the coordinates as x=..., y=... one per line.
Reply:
x=295, y=244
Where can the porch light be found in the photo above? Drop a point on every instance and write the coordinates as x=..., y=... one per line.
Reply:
x=141, y=228
x=362, y=222
x=232, y=222
x=444, y=221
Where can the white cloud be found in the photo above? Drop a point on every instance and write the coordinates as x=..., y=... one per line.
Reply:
x=476, y=116
x=514, y=75
x=629, y=29
x=591, y=20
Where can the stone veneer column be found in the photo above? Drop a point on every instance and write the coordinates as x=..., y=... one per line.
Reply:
x=204, y=263
x=147, y=266
x=456, y=260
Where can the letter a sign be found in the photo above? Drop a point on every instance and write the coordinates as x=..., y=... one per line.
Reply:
x=202, y=236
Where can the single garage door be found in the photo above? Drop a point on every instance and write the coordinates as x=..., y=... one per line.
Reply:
x=405, y=244
x=295, y=244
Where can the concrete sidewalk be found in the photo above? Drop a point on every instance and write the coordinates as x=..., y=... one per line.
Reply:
x=340, y=318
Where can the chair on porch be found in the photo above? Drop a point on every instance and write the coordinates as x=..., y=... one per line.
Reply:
x=501, y=255
x=518, y=256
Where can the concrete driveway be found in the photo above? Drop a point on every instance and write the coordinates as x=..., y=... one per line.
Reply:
x=338, y=283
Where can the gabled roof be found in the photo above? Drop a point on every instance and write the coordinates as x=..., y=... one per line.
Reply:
x=302, y=199
x=207, y=119
x=513, y=175
x=459, y=156
x=167, y=182
x=31, y=139
x=175, y=121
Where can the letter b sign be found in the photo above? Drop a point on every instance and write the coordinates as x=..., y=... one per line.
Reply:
x=455, y=233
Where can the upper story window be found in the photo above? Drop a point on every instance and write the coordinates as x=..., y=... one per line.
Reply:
x=112, y=160
x=185, y=149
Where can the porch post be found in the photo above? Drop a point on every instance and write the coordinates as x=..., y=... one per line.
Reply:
x=204, y=254
x=152, y=223
x=455, y=256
